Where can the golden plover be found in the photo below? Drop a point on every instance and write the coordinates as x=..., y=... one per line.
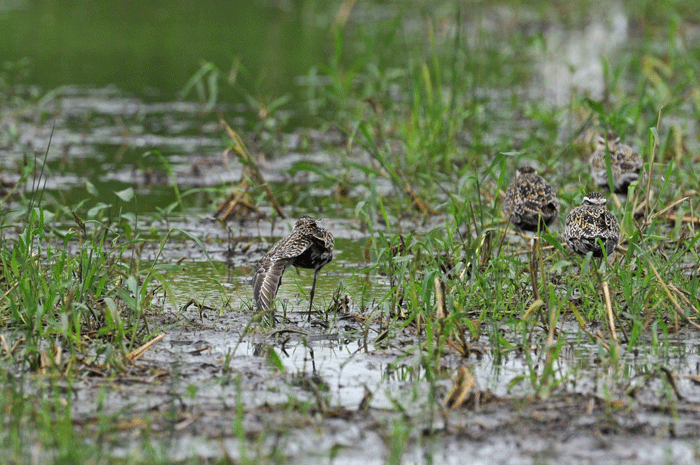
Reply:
x=625, y=163
x=530, y=200
x=588, y=223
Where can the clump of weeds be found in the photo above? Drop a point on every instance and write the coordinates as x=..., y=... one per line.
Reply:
x=75, y=300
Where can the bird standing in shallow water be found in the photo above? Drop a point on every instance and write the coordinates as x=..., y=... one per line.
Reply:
x=307, y=246
x=588, y=223
x=530, y=200
x=625, y=163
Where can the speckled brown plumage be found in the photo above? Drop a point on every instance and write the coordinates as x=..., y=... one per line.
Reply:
x=530, y=200
x=307, y=246
x=588, y=223
x=625, y=163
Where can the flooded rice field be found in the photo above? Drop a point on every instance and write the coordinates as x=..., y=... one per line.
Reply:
x=439, y=333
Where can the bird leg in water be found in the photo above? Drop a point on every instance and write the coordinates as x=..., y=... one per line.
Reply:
x=313, y=289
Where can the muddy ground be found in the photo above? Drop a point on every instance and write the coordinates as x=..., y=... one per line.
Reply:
x=338, y=400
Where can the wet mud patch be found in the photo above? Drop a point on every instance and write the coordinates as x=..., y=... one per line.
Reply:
x=214, y=387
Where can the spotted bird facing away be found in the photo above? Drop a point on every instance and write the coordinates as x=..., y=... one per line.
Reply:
x=530, y=200
x=588, y=223
x=625, y=163
x=307, y=246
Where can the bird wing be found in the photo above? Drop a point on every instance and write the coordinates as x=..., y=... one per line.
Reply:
x=290, y=247
x=266, y=281
x=328, y=240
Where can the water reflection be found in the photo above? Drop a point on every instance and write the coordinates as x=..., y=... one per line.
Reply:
x=346, y=368
x=349, y=369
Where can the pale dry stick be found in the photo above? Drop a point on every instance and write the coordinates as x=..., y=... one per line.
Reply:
x=694, y=378
x=485, y=248
x=57, y=355
x=503, y=237
x=550, y=344
x=692, y=217
x=132, y=424
x=616, y=201
x=343, y=13
x=690, y=220
x=676, y=306
x=462, y=349
x=138, y=352
x=608, y=307
x=440, y=298
x=11, y=289
x=44, y=362
x=5, y=347
x=681, y=292
x=599, y=336
x=536, y=267
x=523, y=251
x=17, y=343
x=666, y=209
x=550, y=333
x=185, y=423
x=461, y=388
x=232, y=201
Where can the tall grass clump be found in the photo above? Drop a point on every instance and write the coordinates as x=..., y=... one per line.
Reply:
x=70, y=300
x=74, y=299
